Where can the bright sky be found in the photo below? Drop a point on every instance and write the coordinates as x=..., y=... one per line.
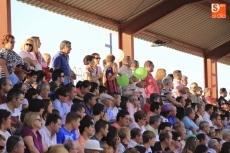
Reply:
x=52, y=28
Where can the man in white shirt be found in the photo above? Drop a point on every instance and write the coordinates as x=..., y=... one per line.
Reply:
x=115, y=103
x=43, y=90
x=214, y=146
x=208, y=112
x=136, y=138
x=14, y=100
x=148, y=142
x=226, y=135
x=204, y=128
x=48, y=132
x=215, y=121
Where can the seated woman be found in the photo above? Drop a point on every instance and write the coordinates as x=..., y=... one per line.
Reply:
x=48, y=108
x=5, y=123
x=191, y=144
x=30, y=134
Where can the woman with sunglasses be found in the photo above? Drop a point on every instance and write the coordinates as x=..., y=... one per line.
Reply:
x=37, y=54
x=97, y=58
x=8, y=58
x=26, y=48
x=32, y=138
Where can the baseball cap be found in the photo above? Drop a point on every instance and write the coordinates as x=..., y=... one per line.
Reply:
x=166, y=108
x=21, y=67
x=105, y=96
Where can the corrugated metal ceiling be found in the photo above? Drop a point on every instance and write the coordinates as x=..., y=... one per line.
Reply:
x=189, y=24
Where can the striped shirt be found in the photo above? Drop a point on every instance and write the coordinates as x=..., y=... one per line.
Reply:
x=163, y=96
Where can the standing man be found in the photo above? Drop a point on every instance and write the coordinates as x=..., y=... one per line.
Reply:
x=151, y=84
x=61, y=60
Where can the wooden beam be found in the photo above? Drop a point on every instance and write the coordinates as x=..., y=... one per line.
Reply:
x=210, y=75
x=125, y=42
x=5, y=17
x=219, y=51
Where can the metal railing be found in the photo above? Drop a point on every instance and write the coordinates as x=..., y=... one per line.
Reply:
x=79, y=75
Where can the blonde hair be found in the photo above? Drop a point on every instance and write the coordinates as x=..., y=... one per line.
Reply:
x=30, y=118
x=123, y=132
x=24, y=43
x=106, y=148
x=57, y=149
x=191, y=144
x=160, y=74
x=110, y=58
x=35, y=46
x=219, y=133
x=206, y=90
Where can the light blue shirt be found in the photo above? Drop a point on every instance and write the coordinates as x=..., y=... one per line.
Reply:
x=62, y=107
x=188, y=123
x=13, y=78
x=109, y=112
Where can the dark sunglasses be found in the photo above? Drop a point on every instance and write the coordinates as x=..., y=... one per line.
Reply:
x=62, y=76
x=97, y=57
x=178, y=140
x=2, y=147
x=29, y=45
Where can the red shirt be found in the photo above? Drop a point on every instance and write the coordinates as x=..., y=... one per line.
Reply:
x=46, y=70
x=151, y=86
x=146, y=108
x=2, y=99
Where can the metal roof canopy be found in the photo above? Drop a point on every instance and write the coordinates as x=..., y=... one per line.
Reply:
x=185, y=25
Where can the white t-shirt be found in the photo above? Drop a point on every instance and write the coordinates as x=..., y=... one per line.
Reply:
x=15, y=115
x=5, y=134
x=24, y=102
x=16, y=110
x=24, y=54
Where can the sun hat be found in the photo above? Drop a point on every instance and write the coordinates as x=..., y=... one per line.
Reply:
x=92, y=145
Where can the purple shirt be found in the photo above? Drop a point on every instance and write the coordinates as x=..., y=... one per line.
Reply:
x=26, y=131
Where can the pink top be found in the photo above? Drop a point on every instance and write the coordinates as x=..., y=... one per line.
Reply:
x=131, y=109
x=40, y=59
x=209, y=100
x=151, y=86
x=176, y=87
